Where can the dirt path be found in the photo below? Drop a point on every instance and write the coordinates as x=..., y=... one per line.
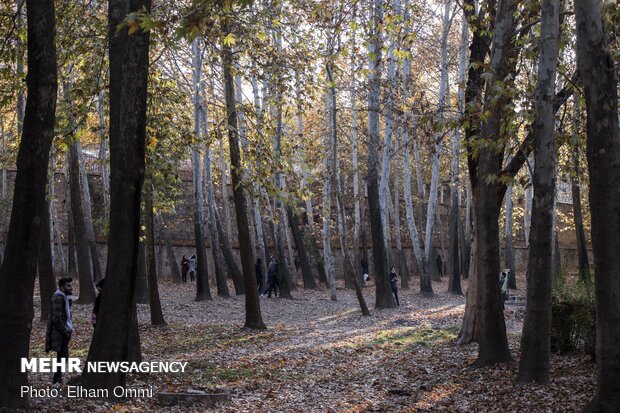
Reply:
x=321, y=356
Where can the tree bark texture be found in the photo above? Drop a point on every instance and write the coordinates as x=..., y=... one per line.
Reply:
x=534, y=364
x=142, y=289
x=47, y=281
x=157, y=316
x=18, y=270
x=203, y=292
x=229, y=258
x=306, y=268
x=172, y=260
x=384, y=297
x=253, y=317
x=582, y=250
x=493, y=343
x=216, y=248
x=129, y=66
x=603, y=153
x=87, y=287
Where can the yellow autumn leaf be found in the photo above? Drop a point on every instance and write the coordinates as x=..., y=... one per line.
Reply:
x=229, y=40
x=262, y=36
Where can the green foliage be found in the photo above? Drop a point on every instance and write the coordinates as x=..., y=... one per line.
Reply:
x=573, y=325
x=169, y=134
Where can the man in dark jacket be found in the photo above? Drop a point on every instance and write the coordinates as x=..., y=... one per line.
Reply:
x=272, y=278
x=60, y=325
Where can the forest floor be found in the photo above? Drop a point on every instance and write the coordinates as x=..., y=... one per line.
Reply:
x=319, y=355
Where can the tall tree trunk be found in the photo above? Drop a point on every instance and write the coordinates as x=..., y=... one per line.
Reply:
x=229, y=258
x=582, y=251
x=71, y=265
x=18, y=270
x=216, y=245
x=487, y=199
x=116, y=335
x=103, y=156
x=277, y=108
x=478, y=51
x=467, y=233
x=19, y=65
x=387, y=141
x=432, y=206
x=456, y=233
x=384, y=297
x=258, y=221
x=600, y=81
x=403, y=269
x=328, y=259
x=306, y=269
x=54, y=226
x=172, y=260
x=470, y=330
x=224, y=189
x=47, y=281
x=203, y=292
x=348, y=267
x=556, y=258
x=534, y=364
x=421, y=265
x=87, y=287
x=88, y=217
x=142, y=289
x=509, y=252
x=357, y=223
x=157, y=316
x=253, y=317
x=527, y=210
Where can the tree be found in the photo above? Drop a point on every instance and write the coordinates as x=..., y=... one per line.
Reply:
x=47, y=281
x=116, y=328
x=600, y=81
x=456, y=234
x=535, y=340
x=253, y=317
x=87, y=287
x=157, y=316
x=492, y=338
x=18, y=270
x=582, y=251
x=379, y=254
x=216, y=245
x=202, y=276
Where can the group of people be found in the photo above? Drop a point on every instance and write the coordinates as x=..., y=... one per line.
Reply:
x=60, y=323
x=188, y=266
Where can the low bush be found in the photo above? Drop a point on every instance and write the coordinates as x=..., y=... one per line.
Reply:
x=573, y=315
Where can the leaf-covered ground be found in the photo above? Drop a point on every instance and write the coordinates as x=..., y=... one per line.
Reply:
x=318, y=355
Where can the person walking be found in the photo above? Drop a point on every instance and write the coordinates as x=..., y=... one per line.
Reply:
x=439, y=262
x=192, y=267
x=272, y=278
x=60, y=325
x=365, y=269
x=258, y=271
x=184, y=268
x=393, y=284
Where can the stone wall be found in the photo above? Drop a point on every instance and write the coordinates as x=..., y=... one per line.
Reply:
x=180, y=226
